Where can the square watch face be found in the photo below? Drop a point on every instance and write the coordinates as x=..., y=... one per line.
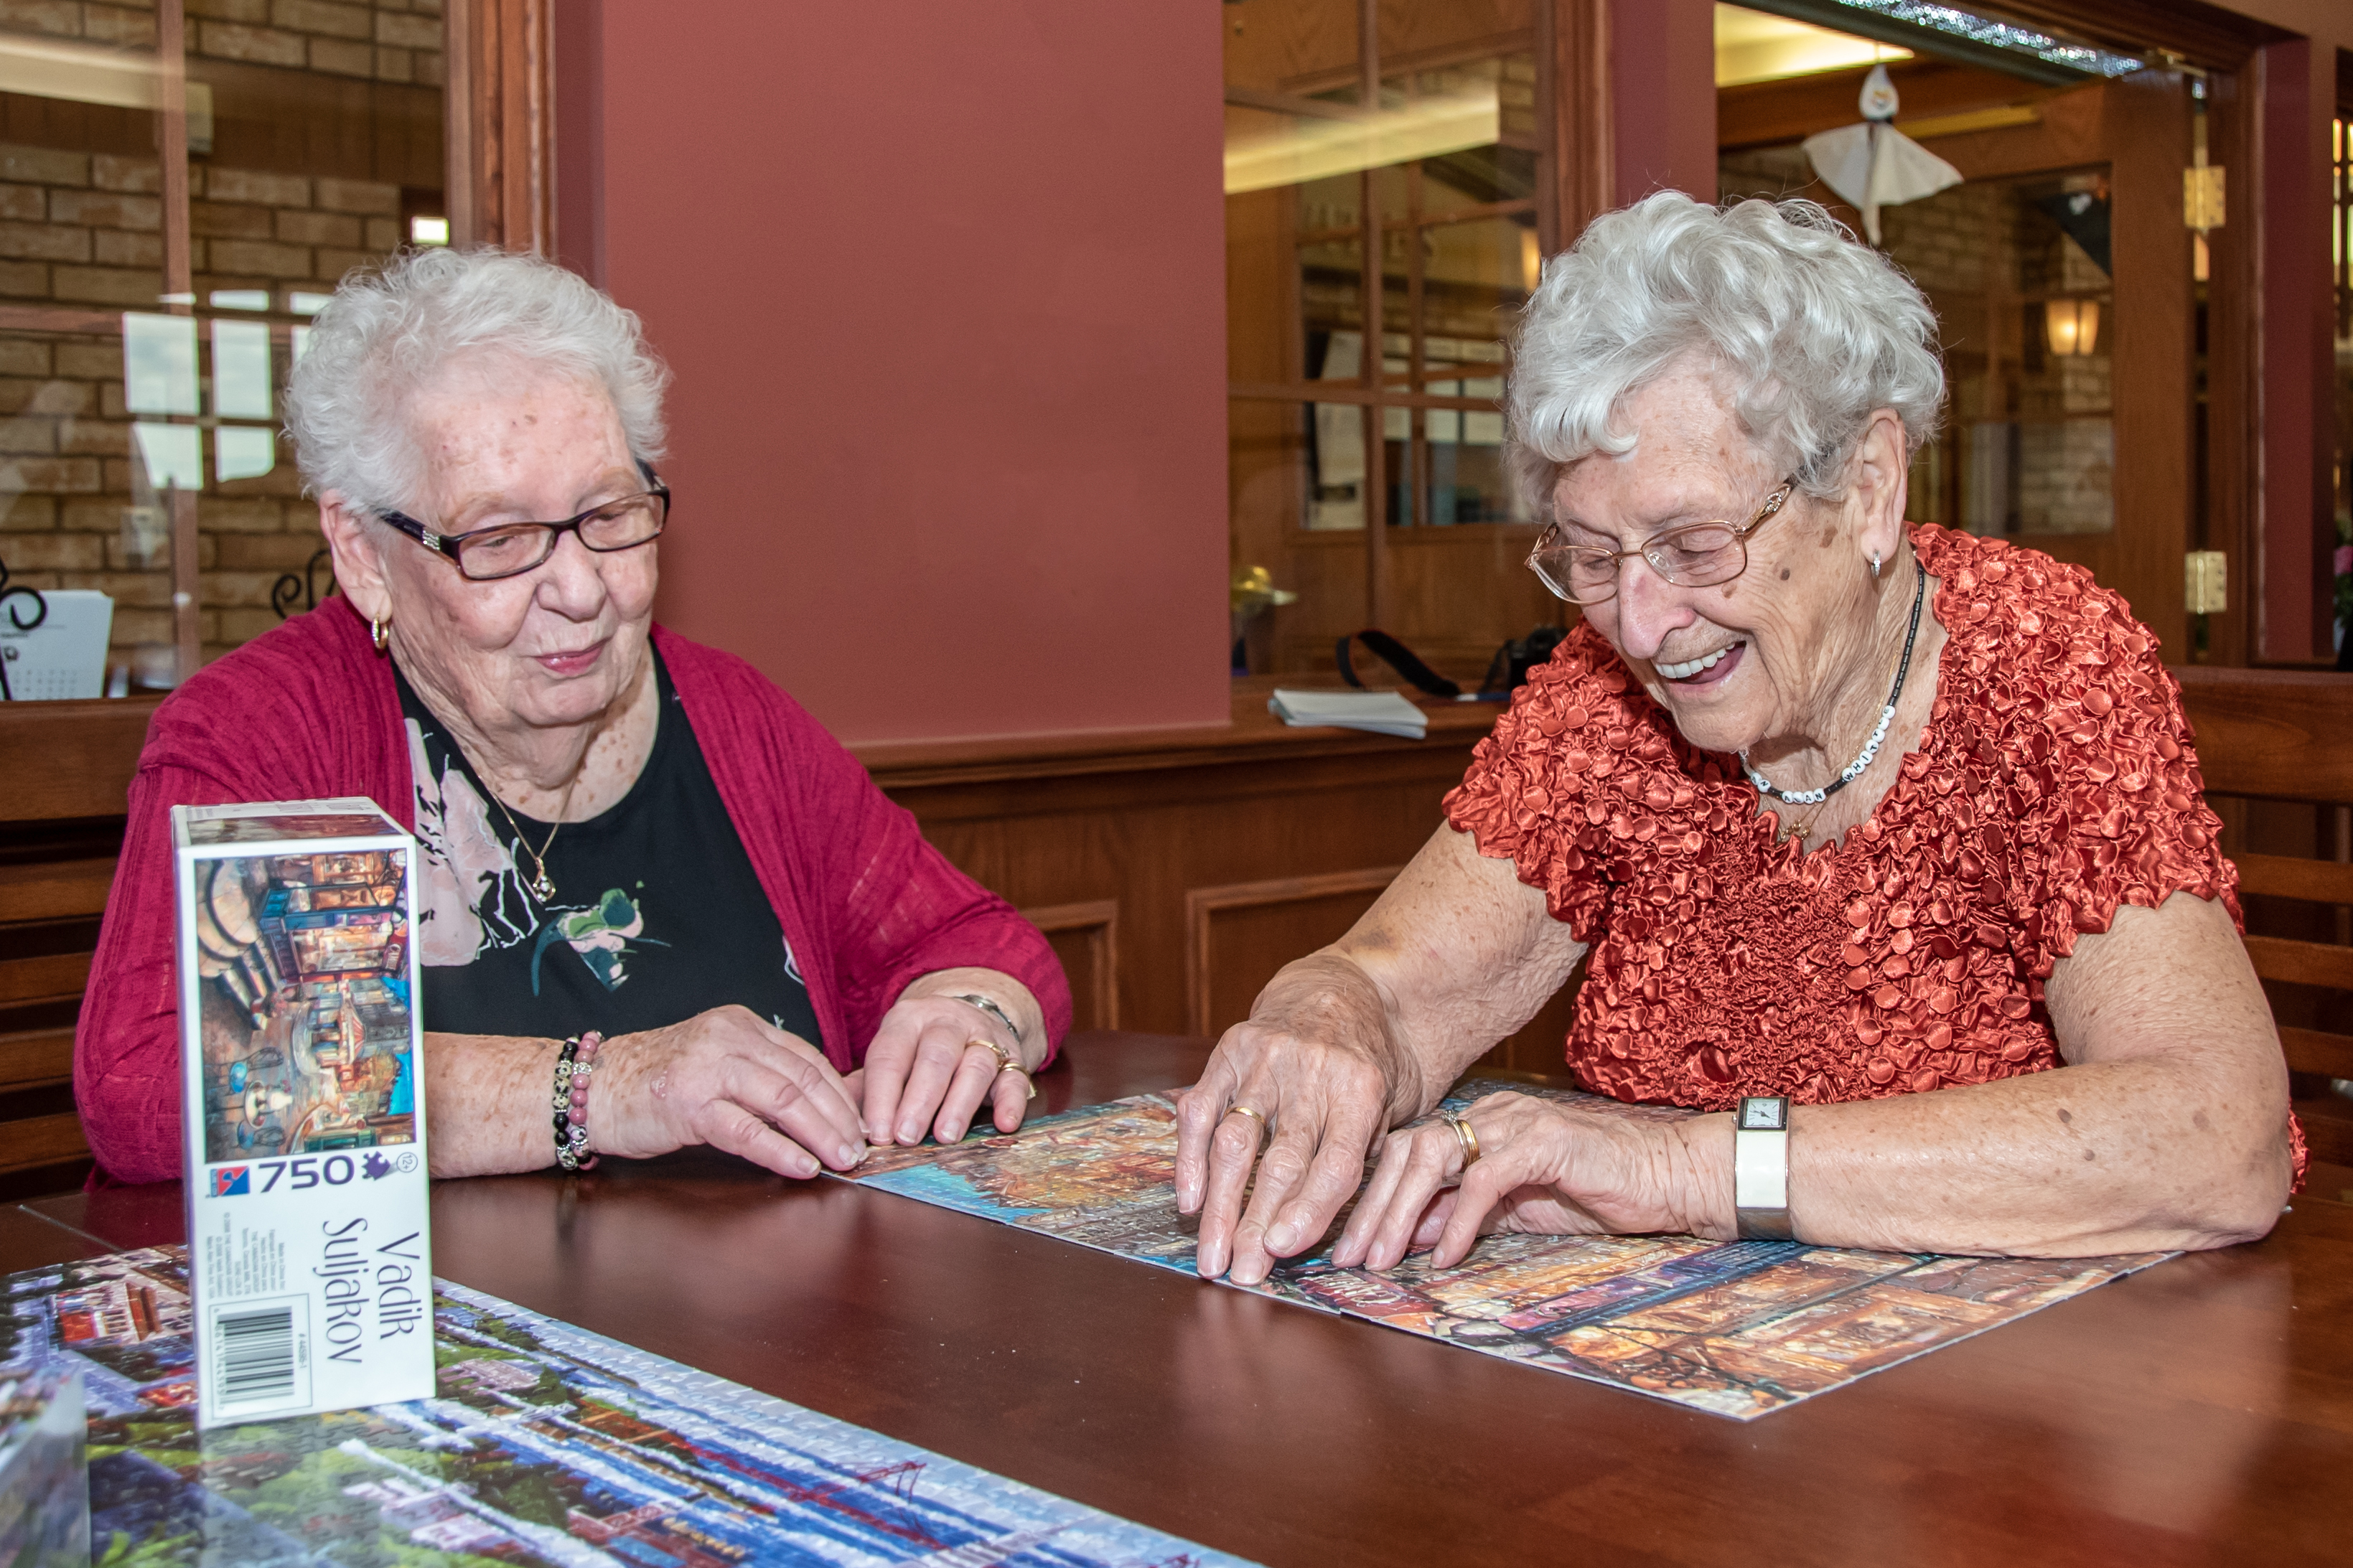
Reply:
x=1764, y=1114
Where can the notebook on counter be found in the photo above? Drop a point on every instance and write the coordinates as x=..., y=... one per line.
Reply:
x=1380, y=712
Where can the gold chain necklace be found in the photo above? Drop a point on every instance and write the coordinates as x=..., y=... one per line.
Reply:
x=541, y=886
x=1803, y=830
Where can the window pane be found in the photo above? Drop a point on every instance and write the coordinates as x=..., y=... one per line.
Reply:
x=2018, y=272
x=1446, y=162
x=315, y=146
x=84, y=504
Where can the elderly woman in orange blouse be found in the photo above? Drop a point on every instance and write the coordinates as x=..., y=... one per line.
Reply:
x=1885, y=844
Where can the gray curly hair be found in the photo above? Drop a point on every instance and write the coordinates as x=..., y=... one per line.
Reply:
x=386, y=333
x=1814, y=329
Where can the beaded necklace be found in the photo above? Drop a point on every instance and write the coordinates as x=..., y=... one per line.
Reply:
x=1862, y=764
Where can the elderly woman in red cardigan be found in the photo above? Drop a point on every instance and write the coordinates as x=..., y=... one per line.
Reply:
x=633, y=849
x=1884, y=845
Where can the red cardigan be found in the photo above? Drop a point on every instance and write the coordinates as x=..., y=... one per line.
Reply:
x=309, y=710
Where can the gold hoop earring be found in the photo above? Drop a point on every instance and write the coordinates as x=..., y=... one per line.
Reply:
x=380, y=633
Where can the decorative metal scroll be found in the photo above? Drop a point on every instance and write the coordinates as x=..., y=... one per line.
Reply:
x=16, y=618
x=283, y=592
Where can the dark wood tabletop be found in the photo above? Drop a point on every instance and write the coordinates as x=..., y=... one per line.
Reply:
x=2200, y=1412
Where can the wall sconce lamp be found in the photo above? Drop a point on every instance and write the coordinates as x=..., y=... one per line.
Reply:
x=2070, y=326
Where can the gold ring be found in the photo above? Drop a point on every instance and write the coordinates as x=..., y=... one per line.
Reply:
x=1464, y=1134
x=1256, y=1116
x=1006, y=1062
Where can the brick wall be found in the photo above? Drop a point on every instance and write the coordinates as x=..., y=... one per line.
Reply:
x=381, y=40
x=84, y=229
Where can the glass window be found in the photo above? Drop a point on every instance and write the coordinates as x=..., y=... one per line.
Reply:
x=152, y=299
x=1369, y=354
x=2018, y=273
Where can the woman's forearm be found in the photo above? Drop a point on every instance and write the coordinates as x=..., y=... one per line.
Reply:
x=2149, y=1155
x=488, y=1103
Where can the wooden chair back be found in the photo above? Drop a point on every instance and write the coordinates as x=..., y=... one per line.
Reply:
x=2272, y=735
x=61, y=819
x=2288, y=735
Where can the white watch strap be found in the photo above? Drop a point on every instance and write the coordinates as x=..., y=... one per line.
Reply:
x=1760, y=1167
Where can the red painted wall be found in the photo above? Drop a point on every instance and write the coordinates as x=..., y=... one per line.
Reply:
x=1663, y=73
x=942, y=285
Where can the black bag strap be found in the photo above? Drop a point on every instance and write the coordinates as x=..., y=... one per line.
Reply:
x=1398, y=657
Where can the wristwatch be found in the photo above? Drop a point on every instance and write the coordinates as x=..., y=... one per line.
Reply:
x=1760, y=1168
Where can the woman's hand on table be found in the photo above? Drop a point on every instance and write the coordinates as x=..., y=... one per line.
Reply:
x=936, y=1059
x=1316, y=1064
x=730, y=1078
x=1543, y=1167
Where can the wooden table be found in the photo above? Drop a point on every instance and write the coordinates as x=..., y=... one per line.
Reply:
x=2200, y=1412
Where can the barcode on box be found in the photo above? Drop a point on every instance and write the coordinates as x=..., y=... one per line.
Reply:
x=255, y=1363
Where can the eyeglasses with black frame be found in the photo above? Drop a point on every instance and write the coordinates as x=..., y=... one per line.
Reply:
x=1696, y=555
x=510, y=549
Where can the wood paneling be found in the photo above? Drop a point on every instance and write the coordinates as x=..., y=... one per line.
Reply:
x=2302, y=962
x=2318, y=1052
x=48, y=977
x=1242, y=844
x=56, y=889
x=1085, y=937
x=1767, y=114
x=86, y=750
x=1238, y=847
x=1141, y=820
x=2327, y=1130
x=1238, y=935
x=2267, y=736
x=2286, y=877
x=38, y=1141
x=36, y=1058
x=2279, y=734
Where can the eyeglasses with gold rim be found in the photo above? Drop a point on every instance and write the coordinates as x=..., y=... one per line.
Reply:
x=1696, y=555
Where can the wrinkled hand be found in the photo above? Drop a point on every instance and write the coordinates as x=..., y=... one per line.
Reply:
x=1543, y=1168
x=925, y=1071
x=1325, y=1095
x=730, y=1078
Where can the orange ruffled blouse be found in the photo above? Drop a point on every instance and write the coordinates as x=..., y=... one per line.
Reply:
x=2055, y=781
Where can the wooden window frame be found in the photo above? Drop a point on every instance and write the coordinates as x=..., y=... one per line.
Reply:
x=499, y=149
x=500, y=136
x=1571, y=46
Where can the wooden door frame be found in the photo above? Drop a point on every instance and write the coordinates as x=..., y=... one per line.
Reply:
x=498, y=109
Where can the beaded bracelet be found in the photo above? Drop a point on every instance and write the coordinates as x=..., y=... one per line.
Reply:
x=574, y=1064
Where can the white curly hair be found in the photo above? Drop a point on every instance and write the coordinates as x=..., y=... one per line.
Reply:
x=386, y=333
x=1812, y=329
